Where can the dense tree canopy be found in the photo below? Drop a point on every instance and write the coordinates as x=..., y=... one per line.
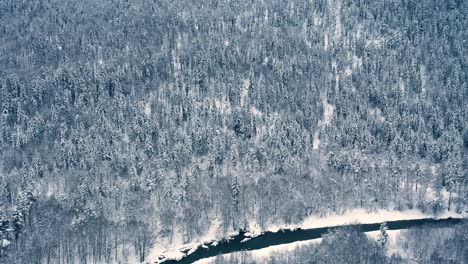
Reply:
x=128, y=123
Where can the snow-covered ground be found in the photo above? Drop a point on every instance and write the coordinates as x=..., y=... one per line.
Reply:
x=392, y=243
x=357, y=216
x=173, y=251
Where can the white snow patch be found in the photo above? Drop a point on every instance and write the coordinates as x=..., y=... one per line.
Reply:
x=50, y=190
x=338, y=28
x=244, y=91
x=358, y=33
x=206, y=260
x=213, y=231
x=148, y=109
x=316, y=142
x=317, y=20
x=175, y=255
x=163, y=251
x=174, y=250
x=192, y=250
x=325, y=44
x=254, y=230
x=176, y=63
x=402, y=86
x=245, y=239
x=348, y=72
x=179, y=41
x=254, y=111
x=377, y=113
x=335, y=11
x=291, y=9
x=125, y=138
x=423, y=74
x=328, y=110
x=5, y=242
x=334, y=72
x=357, y=62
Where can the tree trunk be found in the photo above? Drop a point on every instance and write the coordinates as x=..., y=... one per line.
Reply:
x=450, y=200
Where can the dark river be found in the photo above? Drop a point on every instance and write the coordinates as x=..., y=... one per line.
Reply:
x=234, y=244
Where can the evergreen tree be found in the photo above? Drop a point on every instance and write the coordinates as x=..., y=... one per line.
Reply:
x=383, y=236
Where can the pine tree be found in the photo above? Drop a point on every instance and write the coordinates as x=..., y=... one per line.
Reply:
x=383, y=236
x=235, y=188
x=4, y=242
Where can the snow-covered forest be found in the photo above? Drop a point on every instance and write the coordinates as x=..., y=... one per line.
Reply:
x=130, y=125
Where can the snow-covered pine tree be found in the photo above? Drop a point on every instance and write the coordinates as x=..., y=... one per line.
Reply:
x=383, y=235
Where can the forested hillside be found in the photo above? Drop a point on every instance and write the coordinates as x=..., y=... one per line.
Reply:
x=126, y=124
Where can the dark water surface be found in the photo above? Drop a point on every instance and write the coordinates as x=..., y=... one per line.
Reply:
x=234, y=244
